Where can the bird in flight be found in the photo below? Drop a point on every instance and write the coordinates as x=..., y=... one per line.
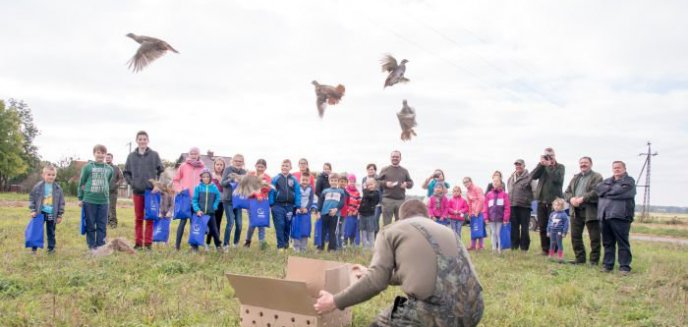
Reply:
x=396, y=71
x=150, y=49
x=407, y=120
x=326, y=94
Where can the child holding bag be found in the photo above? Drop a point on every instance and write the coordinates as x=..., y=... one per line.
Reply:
x=206, y=200
x=438, y=205
x=457, y=211
x=47, y=198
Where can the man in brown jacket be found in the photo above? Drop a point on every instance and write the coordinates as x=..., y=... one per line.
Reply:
x=394, y=180
x=582, y=197
x=446, y=292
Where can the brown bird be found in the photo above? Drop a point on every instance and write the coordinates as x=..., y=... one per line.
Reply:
x=248, y=184
x=119, y=244
x=407, y=120
x=150, y=49
x=396, y=72
x=327, y=94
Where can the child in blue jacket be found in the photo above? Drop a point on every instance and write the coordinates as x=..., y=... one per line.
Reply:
x=205, y=201
x=301, y=224
x=557, y=228
x=330, y=204
x=284, y=196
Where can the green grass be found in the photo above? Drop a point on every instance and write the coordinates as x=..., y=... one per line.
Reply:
x=166, y=288
x=662, y=230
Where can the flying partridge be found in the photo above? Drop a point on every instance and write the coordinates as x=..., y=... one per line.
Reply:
x=150, y=49
x=326, y=94
x=396, y=71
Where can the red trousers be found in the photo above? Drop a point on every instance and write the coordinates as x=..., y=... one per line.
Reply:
x=138, y=212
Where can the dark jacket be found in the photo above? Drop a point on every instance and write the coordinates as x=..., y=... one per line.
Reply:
x=550, y=182
x=142, y=167
x=286, y=190
x=520, y=190
x=116, y=178
x=616, y=198
x=36, y=199
x=321, y=184
x=369, y=202
x=589, y=206
x=226, y=182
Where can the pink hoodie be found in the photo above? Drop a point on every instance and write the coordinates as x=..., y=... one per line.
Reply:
x=457, y=208
x=187, y=177
x=432, y=207
x=475, y=198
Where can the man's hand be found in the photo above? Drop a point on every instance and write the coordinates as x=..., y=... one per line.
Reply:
x=403, y=185
x=59, y=220
x=325, y=303
x=81, y=204
x=359, y=270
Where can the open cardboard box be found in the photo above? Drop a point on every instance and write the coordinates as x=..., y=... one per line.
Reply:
x=272, y=302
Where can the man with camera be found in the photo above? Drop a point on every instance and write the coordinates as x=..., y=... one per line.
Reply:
x=550, y=176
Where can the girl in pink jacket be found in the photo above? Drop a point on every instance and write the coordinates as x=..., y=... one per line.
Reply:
x=187, y=178
x=438, y=205
x=475, y=199
x=457, y=210
x=496, y=211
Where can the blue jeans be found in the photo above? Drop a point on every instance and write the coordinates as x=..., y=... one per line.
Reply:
x=233, y=219
x=456, y=226
x=96, y=224
x=555, y=242
x=281, y=217
x=261, y=233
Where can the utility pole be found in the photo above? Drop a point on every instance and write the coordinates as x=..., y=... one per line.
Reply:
x=646, y=195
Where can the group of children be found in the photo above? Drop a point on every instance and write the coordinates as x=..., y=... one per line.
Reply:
x=345, y=216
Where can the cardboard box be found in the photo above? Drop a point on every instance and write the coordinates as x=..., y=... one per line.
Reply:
x=272, y=302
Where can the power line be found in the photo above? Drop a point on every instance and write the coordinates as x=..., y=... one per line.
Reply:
x=476, y=76
x=485, y=61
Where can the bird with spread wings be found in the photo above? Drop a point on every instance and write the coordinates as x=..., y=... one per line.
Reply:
x=396, y=71
x=150, y=50
x=326, y=94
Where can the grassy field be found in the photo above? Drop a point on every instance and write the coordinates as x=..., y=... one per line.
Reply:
x=168, y=288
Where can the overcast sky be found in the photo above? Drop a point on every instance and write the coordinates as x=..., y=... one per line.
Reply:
x=491, y=81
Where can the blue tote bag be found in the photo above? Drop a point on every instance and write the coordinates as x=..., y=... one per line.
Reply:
x=34, y=232
x=199, y=225
x=240, y=201
x=505, y=236
x=182, y=205
x=301, y=225
x=151, y=202
x=83, y=221
x=161, y=230
x=477, y=227
x=317, y=233
x=258, y=213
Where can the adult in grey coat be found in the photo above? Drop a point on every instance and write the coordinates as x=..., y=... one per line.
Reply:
x=615, y=210
x=520, y=188
x=582, y=197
